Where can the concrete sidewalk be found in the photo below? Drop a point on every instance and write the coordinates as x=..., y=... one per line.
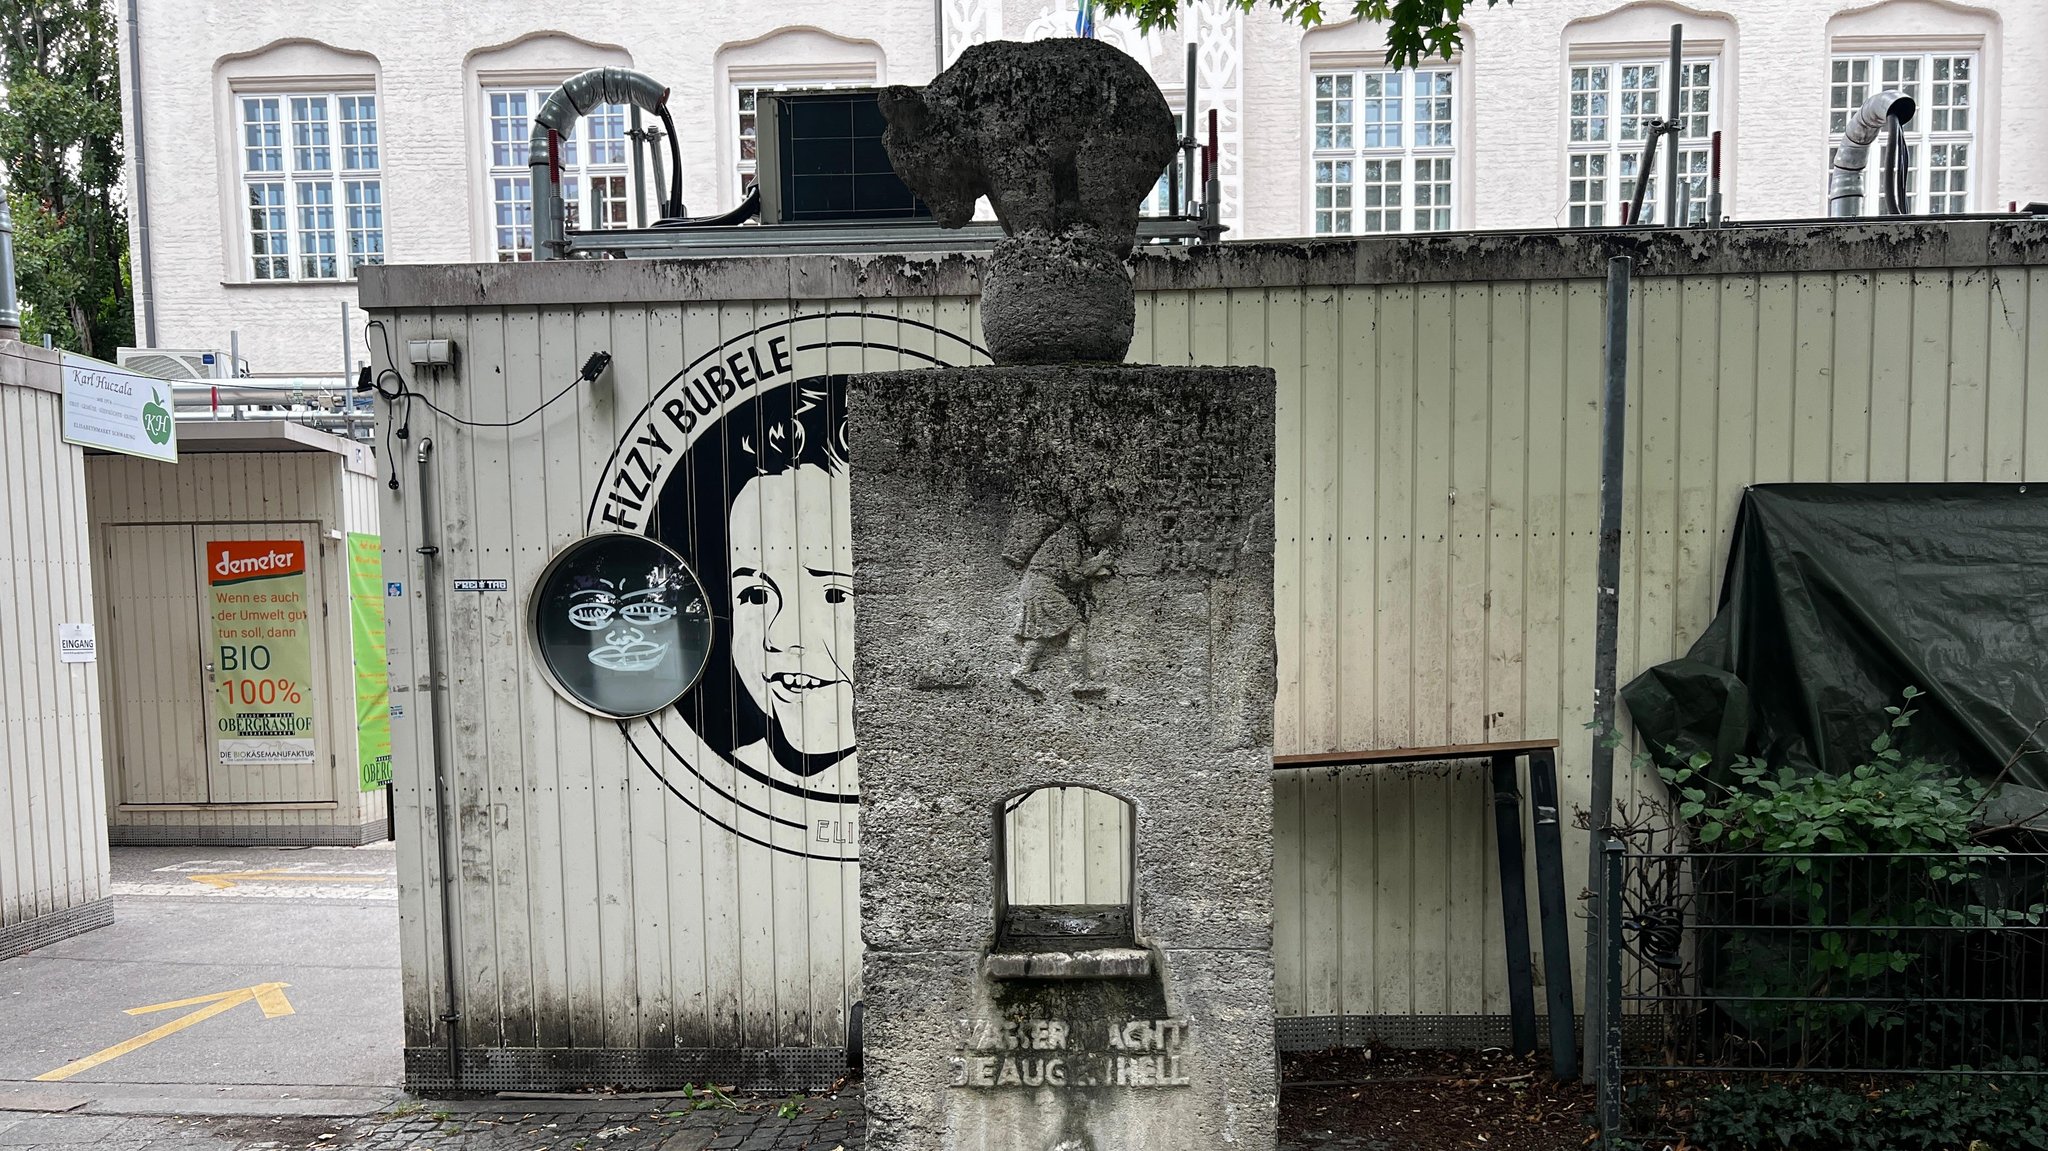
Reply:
x=230, y=979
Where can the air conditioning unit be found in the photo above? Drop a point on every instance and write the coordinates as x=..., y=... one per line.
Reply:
x=181, y=364
x=820, y=160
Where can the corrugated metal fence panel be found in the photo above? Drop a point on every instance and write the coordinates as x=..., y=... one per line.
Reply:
x=53, y=839
x=1438, y=547
x=596, y=908
x=1437, y=510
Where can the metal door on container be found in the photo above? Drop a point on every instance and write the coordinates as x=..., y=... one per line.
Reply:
x=264, y=663
x=154, y=656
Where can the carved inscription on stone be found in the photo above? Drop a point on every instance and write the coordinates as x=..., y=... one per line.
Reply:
x=998, y=1053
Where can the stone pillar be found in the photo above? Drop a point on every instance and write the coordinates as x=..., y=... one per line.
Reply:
x=1064, y=576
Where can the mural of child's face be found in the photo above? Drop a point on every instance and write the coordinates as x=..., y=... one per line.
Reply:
x=792, y=606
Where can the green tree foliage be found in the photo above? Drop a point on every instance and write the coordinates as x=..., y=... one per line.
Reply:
x=60, y=132
x=1415, y=28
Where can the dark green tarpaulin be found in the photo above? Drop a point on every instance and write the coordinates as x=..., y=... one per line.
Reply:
x=1838, y=597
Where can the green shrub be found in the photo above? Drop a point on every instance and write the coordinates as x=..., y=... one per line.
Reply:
x=1819, y=956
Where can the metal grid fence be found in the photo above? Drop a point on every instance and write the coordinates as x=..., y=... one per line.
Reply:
x=1872, y=965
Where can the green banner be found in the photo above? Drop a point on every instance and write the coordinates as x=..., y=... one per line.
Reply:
x=262, y=653
x=373, y=670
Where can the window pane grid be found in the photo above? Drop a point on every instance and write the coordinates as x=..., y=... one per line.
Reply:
x=365, y=223
x=1940, y=139
x=311, y=184
x=268, y=248
x=310, y=142
x=1586, y=190
x=1334, y=121
x=262, y=139
x=511, y=128
x=512, y=213
x=1333, y=197
x=1589, y=105
x=359, y=133
x=1641, y=101
x=315, y=235
x=1612, y=104
x=1384, y=150
x=1380, y=193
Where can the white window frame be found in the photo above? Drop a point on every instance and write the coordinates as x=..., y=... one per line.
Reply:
x=596, y=149
x=1601, y=151
x=1344, y=164
x=1931, y=135
x=322, y=190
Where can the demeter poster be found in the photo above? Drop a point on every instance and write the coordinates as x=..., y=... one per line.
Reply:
x=262, y=652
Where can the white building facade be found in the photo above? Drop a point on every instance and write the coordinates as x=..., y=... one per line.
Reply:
x=275, y=148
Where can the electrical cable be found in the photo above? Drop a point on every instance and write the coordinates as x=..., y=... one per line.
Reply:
x=402, y=392
x=674, y=206
x=1895, y=167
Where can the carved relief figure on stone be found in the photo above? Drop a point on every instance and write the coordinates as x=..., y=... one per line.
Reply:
x=1058, y=558
x=1065, y=138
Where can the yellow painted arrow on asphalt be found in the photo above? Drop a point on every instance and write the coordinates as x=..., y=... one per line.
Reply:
x=269, y=996
x=227, y=879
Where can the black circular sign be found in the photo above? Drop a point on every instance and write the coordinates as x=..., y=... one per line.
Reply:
x=621, y=624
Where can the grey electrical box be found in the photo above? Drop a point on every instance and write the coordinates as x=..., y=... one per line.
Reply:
x=431, y=353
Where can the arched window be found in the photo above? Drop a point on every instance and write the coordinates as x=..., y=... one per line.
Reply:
x=306, y=153
x=1616, y=85
x=1064, y=856
x=508, y=84
x=789, y=59
x=1384, y=145
x=1945, y=56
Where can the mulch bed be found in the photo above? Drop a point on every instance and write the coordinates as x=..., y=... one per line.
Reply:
x=1381, y=1100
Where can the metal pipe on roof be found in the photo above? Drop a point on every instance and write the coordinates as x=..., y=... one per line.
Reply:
x=1187, y=135
x=1845, y=175
x=1714, y=182
x=1672, y=113
x=579, y=95
x=1632, y=212
x=638, y=135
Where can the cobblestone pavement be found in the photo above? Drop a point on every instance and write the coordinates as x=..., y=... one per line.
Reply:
x=823, y=1123
x=817, y=1124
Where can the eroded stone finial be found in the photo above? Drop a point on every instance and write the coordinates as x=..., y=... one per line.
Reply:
x=1065, y=137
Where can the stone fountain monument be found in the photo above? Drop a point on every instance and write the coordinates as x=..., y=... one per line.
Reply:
x=1064, y=627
